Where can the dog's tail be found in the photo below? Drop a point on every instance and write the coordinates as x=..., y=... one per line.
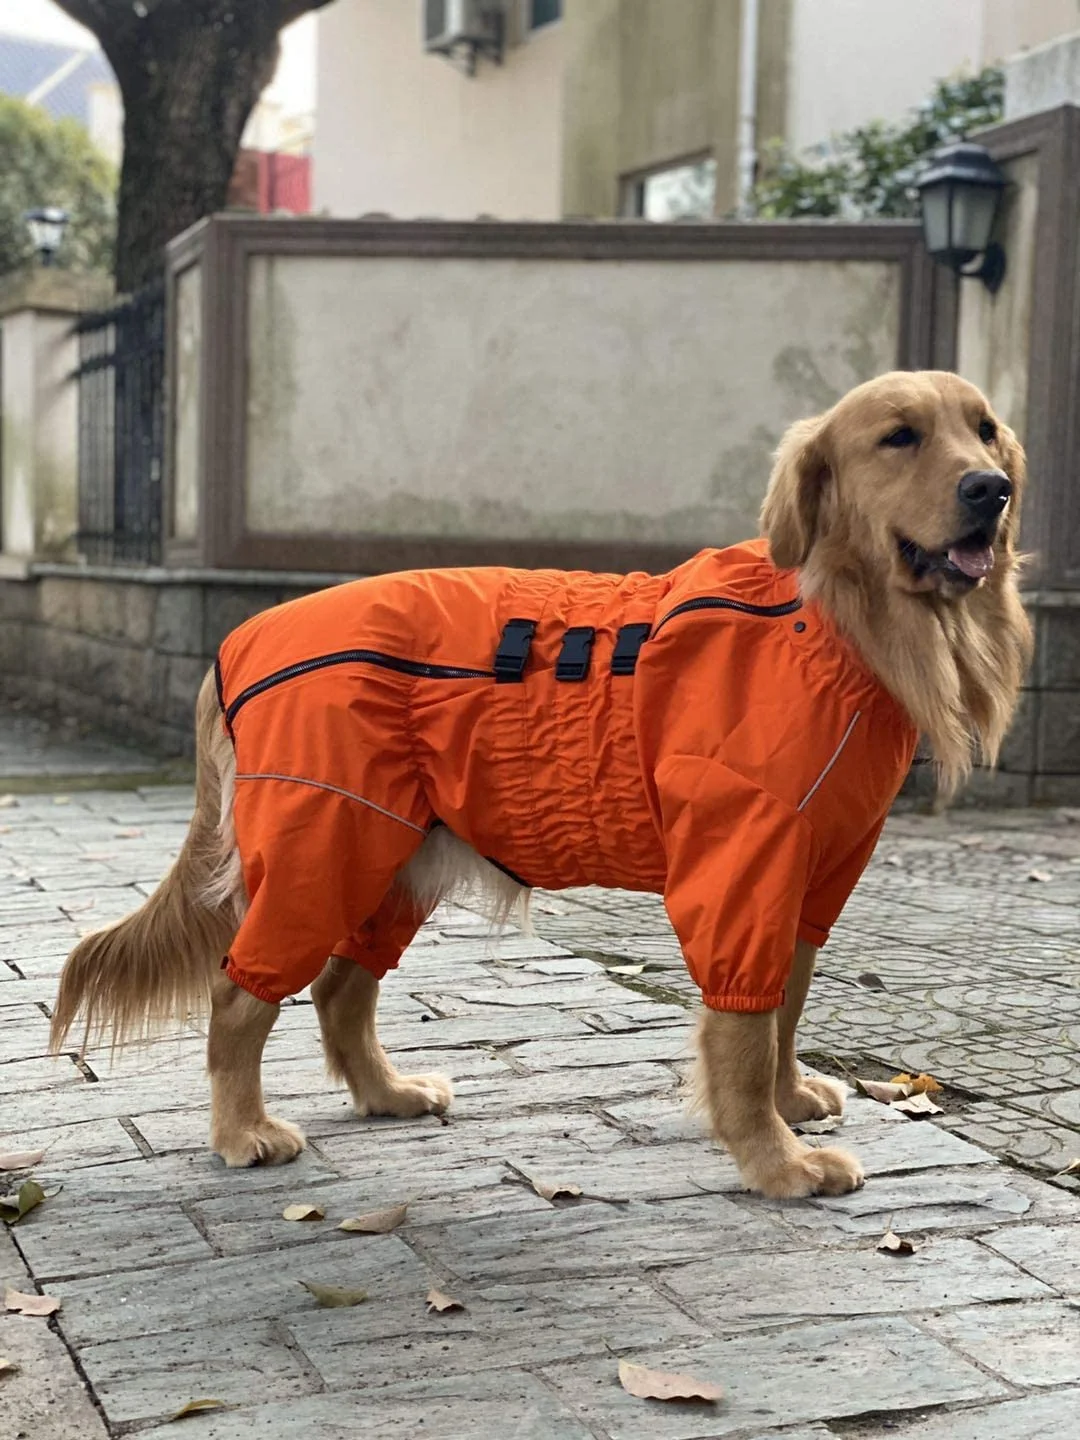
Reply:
x=129, y=980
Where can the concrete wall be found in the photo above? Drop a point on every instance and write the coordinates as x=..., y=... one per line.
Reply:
x=39, y=435
x=39, y=409
x=125, y=651
x=407, y=134
x=489, y=398
x=647, y=85
x=1043, y=78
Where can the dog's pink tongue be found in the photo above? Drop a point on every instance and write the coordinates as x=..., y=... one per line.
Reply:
x=974, y=563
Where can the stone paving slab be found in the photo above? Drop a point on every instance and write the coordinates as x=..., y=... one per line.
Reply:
x=1036, y=1417
x=442, y=1409
x=1027, y=1345
x=805, y=1372
x=179, y=1278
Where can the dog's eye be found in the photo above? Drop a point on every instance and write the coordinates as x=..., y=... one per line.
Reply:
x=901, y=438
x=987, y=432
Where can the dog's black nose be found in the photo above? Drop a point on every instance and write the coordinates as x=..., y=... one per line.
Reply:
x=985, y=493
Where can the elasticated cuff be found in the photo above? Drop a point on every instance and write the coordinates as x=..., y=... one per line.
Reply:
x=744, y=1004
x=238, y=977
x=377, y=966
x=812, y=934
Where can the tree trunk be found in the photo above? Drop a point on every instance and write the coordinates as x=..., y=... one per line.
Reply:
x=189, y=83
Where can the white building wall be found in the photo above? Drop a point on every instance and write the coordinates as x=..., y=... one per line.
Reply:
x=406, y=133
x=856, y=60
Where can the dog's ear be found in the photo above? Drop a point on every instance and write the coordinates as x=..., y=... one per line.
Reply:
x=789, y=516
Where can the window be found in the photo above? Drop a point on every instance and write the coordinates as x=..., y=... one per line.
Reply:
x=544, y=12
x=679, y=192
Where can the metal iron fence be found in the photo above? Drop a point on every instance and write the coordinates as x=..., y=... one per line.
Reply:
x=121, y=378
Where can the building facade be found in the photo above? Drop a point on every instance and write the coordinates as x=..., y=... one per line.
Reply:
x=607, y=107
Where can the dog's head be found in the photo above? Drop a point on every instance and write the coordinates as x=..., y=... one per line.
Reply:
x=911, y=474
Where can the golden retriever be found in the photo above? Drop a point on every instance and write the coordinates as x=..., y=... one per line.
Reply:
x=894, y=517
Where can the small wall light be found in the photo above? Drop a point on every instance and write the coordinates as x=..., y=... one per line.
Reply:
x=46, y=226
x=961, y=194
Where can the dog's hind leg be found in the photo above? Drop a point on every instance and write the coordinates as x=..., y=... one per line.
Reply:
x=346, y=995
x=798, y=1096
x=736, y=1084
x=241, y=1131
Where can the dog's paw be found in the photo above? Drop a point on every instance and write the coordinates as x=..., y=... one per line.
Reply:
x=815, y=1172
x=813, y=1098
x=407, y=1096
x=270, y=1142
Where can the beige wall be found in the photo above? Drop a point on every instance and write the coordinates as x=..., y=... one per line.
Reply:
x=856, y=60
x=646, y=85
x=622, y=400
x=39, y=434
x=994, y=336
x=407, y=134
x=1012, y=25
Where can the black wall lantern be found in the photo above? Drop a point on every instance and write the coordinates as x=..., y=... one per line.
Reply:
x=46, y=227
x=961, y=194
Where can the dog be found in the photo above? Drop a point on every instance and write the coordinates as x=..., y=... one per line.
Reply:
x=731, y=734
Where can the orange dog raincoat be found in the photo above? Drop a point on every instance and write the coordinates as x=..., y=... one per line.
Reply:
x=703, y=734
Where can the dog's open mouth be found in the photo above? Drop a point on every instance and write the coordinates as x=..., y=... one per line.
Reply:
x=965, y=561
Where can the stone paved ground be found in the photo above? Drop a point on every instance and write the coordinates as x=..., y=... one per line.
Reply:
x=180, y=1280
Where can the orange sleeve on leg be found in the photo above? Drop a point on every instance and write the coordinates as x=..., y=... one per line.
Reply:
x=379, y=943
x=316, y=866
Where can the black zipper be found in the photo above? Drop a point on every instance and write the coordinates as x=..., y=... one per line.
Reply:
x=420, y=668
x=721, y=602
x=425, y=671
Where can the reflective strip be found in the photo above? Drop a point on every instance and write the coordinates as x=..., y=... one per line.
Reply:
x=337, y=790
x=836, y=756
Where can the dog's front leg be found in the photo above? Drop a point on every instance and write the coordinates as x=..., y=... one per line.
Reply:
x=240, y=1130
x=798, y=1096
x=737, y=1075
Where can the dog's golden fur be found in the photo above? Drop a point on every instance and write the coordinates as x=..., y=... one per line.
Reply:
x=847, y=508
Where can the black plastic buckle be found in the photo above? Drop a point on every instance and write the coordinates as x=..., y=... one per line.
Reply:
x=513, y=650
x=627, y=644
x=576, y=652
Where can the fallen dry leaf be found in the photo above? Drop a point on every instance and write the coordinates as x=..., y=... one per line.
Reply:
x=21, y=1304
x=884, y=1091
x=132, y=834
x=1073, y=1168
x=553, y=1192
x=13, y=1207
x=659, y=1385
x=7, y=1367
x=61, y=800
x=333, y=1297
x=894, y=1244
x=7, y=801
x=436, y=1300
x=870, y=981
x=1043, y=876
x=917, y=1105
x=21, y=1159
x=196, y=1407
x=303, y=1212
x=920, y=1084
x=819, y=1127
x=377, y=1222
